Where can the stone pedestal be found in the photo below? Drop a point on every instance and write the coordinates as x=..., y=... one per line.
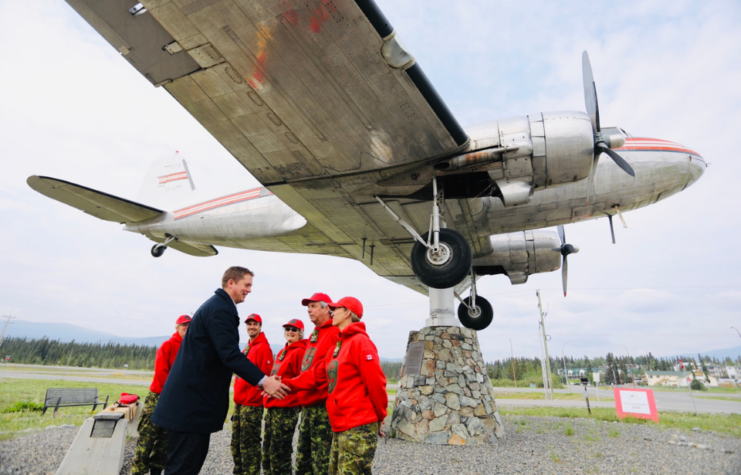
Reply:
x=445, y=396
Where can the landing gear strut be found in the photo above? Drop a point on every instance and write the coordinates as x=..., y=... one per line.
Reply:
x=475, y=312
x=159, y=249
x=441, y=258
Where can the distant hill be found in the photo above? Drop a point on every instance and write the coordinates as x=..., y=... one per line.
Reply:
x=732, y=353
x=65, y=332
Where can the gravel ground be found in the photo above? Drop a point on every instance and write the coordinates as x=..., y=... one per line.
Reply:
x=534, y=445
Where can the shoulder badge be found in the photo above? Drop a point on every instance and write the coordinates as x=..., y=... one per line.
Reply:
x=332, y=375
x=308, y=358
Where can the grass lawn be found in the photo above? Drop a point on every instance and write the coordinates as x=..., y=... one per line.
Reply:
x=540, y=395
x=729, y=424
x=34, y=390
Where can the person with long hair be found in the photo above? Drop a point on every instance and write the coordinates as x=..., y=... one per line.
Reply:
x=357, y=399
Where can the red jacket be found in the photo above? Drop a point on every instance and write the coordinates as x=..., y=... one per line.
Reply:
x=287, y=365
x=311, y=384
x=259, y=353
x=163, y=361
x=357, y=385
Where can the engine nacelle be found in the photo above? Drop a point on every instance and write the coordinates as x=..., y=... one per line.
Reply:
x=521, y=254
x=524, y=154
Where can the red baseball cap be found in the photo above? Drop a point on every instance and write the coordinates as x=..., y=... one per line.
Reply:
x=350, y=303
x=295, y=322
x=255, y=317
x=183, y=319
x=317, y=297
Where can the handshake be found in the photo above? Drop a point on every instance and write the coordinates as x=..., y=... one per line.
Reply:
x=273, y=387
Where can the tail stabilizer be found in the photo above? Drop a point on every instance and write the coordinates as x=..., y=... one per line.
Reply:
x=168, y=181
x=93, y=202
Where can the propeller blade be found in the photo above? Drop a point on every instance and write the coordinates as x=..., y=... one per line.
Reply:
x=562, y=234
x=565, y=274
x=590, y=92
x=620, y=161
x=590, y=184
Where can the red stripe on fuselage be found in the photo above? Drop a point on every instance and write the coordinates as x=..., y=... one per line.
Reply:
x=635, y=144
x=219, y=202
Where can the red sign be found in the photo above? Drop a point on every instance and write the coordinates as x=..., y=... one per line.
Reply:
x=7, y=358
x=638, y=403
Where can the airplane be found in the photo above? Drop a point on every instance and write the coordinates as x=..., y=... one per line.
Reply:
x=358, y=155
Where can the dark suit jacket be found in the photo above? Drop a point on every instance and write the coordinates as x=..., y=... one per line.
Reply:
x=196, y=395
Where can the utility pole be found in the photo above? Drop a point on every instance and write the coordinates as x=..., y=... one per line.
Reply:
x=7, y=322
x=563, y=358
x=512, y=359
x=631, y=373
x=547, y=379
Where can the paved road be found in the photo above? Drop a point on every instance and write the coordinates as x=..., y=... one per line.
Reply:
x=30, y=368
x=61, y=377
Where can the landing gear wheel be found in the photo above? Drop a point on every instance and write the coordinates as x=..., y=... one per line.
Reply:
x=158, y=250
x=478, y=316
x=446, y=268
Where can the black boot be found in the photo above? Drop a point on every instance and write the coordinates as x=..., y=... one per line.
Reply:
x=155, y=471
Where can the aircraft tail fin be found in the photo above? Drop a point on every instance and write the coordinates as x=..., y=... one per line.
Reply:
x=168, y=181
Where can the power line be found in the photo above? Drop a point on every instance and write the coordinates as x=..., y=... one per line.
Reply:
x=7, y=322
x=584, y=289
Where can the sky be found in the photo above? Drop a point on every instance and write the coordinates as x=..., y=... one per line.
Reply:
x=72, y=108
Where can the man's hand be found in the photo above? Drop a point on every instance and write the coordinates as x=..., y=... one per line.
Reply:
x=274, y=388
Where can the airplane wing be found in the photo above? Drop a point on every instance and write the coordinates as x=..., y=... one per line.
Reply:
x=316, y=98
x=95, y=203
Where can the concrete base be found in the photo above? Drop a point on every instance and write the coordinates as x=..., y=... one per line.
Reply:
x=449, y=399
x=95, y=456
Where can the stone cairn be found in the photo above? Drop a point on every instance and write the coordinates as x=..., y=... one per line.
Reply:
x=445, y=395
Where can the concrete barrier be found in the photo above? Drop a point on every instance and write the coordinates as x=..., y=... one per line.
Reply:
x=98, y=448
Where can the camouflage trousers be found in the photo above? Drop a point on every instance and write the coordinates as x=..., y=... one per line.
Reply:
x=277, y=442
x=151, y=449
x=314, y=441
x=246, y=428
x=353, y=450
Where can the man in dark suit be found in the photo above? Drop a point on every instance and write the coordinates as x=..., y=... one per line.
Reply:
x=195, y=400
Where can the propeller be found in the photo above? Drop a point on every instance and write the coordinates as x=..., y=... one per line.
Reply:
x=565, y=250
x=601, y=143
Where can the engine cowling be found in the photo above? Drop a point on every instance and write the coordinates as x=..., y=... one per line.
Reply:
x=520, y=254
x=528, y=153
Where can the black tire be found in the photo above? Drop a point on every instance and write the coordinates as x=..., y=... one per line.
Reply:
x=158, y=250
x=450, y=273
x=476, y=322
